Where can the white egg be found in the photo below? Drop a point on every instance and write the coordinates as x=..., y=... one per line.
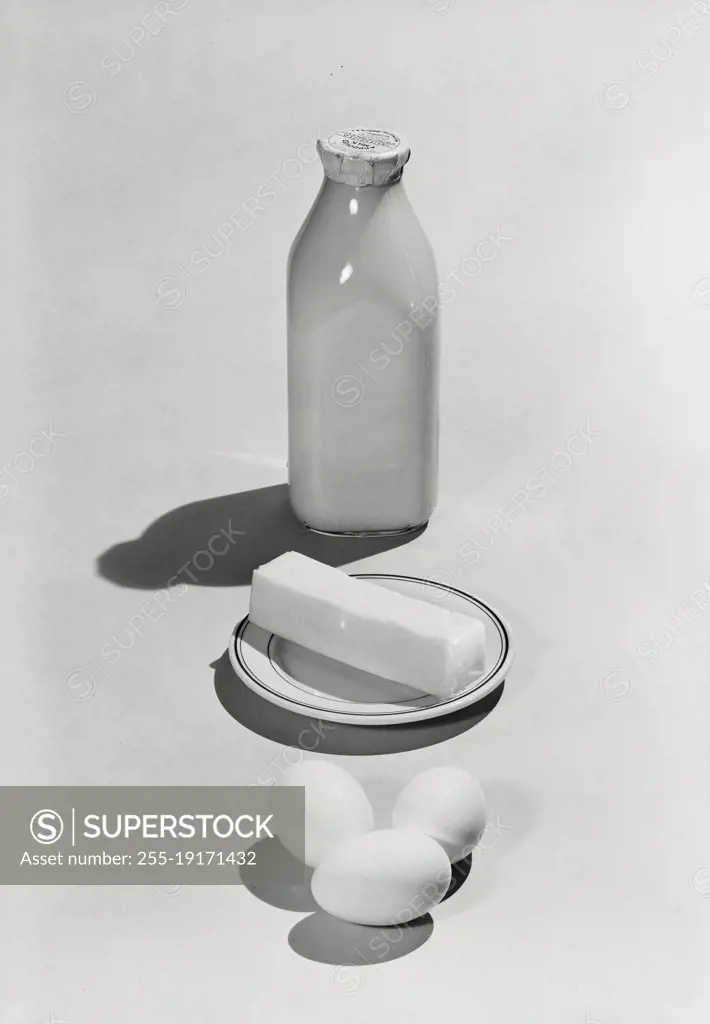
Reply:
x=337, y=808
x=382, y=878
x=446, y=803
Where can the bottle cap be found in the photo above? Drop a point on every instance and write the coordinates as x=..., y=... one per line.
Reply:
x=363, y=156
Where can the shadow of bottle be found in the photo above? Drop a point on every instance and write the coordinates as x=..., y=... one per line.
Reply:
x=218, y=542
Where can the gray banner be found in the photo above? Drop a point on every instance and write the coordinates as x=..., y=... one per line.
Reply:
x=151, y=835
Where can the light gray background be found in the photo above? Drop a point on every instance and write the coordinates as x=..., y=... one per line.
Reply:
x=594, y=903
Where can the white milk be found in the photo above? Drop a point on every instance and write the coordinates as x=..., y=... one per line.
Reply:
x=363, y=348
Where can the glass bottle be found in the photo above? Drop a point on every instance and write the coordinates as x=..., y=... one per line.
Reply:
x=363, y=347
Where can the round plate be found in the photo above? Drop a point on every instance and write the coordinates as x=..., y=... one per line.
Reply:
x=310, y=684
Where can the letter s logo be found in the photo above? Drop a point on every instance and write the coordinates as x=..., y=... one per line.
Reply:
x=46, y=827
x=347, y=391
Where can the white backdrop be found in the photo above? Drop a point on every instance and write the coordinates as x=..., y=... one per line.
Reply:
x=132, y=135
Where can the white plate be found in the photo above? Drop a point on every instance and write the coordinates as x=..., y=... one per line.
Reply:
x=310, y=684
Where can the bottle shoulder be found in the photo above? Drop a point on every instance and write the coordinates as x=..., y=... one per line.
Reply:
x=364, y=241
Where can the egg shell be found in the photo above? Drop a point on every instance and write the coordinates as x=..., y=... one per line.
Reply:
x=337, y=808
x=447, y=804
x=386, y=877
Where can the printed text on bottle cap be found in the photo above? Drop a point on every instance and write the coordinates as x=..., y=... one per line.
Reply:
x=366, y=140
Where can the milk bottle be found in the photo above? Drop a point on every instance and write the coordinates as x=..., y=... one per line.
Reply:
x=363, y=347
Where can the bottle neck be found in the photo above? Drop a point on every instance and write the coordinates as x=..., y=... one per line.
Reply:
x=358, y=199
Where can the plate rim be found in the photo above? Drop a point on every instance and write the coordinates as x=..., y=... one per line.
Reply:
x=451, y=706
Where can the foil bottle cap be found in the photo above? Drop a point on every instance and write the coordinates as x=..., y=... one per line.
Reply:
x=363, y=156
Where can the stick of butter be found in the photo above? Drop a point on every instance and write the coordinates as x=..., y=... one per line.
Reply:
x=394, y=636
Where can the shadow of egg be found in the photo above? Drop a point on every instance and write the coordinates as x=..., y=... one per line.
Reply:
x=273, y=862
x=459, y=873
x=327, y=940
